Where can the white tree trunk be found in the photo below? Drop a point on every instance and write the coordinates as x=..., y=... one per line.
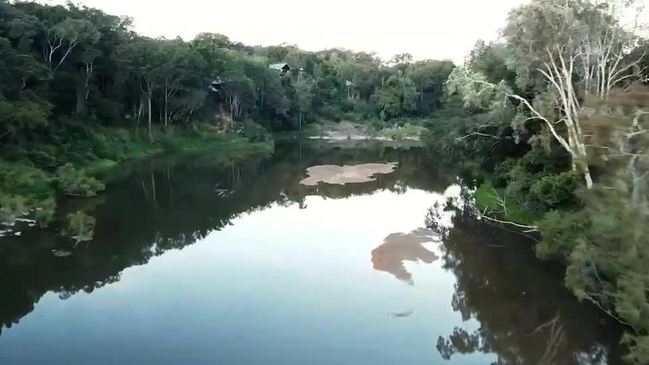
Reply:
x=166, y=103
x=149, y=96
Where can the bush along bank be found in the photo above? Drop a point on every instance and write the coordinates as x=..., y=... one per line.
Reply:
x=34, y=179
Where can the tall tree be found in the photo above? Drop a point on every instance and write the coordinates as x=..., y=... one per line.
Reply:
x=62, y=38
x=182, y=73
x=304, y=89
x=144, y=58
x=549, y=41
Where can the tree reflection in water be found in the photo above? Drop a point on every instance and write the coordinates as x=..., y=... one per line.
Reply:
x=166, y=204
x=169, y=202
x=526, y=316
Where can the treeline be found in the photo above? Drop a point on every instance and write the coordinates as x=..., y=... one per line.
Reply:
x=557, y=115
x=77, y=62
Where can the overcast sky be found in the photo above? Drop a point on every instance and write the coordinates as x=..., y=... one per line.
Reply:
x=425, y=28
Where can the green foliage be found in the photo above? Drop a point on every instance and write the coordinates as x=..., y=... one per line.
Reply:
x=255, y=132
x=399, y=133
x=75, y=61
x=119, y=144
x=25, y=180
x=537, y=147
x=12, y=207
x=21, y=116
x=561, y=232
x=75, y=182
x=490, y=61
x=502, y=172
x=605, y=242
x=554, y=191
x=25, y=189
x=639, y=348
x=79, y=88
x=496, y=202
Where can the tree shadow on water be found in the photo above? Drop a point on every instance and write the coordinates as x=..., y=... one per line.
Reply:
x=526, y=315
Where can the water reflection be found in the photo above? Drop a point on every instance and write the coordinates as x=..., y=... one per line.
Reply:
x=526, y=316
x=170, y=202
x=507, y=305
x=403, y=314
x=347, y=174
x=400, y=247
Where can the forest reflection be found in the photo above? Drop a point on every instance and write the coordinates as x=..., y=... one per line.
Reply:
x=526, y=316
x=167, y=203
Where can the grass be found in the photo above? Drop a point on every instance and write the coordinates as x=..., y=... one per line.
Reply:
x=494, y=200
x=97, y=166
x=402, y=132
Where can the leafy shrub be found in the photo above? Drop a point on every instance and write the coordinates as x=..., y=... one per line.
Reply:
x=331, y=112
x=18, y=116
x=204, y=129
x=520, y=181
x=24, y=179
x=554, y=191
x=43, y=155
x=562, y=231
x=400, y=133
x=117, y=144
x=501, y=175
x=76, y=183
x=25, y=189
x=255, y=132
x=107, y=111
x=362, y=110
x=12, y=207
x=377, y=124
x=469, y=172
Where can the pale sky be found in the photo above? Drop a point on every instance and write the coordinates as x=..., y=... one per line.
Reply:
x=439, y=29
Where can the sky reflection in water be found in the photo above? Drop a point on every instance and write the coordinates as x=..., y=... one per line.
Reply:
x=320, y=276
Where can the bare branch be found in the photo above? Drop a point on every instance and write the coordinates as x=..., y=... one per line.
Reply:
x=479, y=134
x=527, y=228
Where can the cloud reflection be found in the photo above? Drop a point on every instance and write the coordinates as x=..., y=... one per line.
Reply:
x=400, y=247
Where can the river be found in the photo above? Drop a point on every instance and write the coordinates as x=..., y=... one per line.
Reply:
x=205, y=260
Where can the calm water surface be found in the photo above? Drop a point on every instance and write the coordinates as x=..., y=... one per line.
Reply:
x=200, y=260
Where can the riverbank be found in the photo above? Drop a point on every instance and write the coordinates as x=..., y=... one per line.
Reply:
x=344, y=130
x=34, y=178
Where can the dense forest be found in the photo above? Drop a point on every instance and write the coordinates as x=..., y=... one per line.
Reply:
x=550, y=124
